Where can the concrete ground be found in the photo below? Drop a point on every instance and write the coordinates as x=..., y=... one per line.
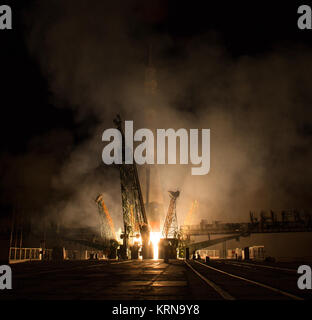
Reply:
x=133, y=280
x=141, y=280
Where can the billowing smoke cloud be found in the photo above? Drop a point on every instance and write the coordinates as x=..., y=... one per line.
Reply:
x=94, y=55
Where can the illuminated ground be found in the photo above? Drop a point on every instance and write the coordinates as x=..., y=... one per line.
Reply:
x=150, y=279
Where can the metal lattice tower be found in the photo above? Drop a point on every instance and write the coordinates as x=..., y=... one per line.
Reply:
x=133, y=209
x=107, y=225
x=170, y=229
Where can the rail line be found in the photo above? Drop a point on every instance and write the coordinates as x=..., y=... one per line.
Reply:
x=261, y=266
x=226, y=295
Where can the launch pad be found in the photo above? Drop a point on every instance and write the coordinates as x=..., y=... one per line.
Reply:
x=154, y=280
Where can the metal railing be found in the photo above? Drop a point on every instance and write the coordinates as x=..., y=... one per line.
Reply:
x=23, y=254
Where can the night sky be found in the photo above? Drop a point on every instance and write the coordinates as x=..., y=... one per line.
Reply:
x=50, y=110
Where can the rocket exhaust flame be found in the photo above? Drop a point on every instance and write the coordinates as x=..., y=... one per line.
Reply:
x=155, y=238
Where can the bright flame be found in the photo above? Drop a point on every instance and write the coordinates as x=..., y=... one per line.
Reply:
x=137, y=240
x=155, y=238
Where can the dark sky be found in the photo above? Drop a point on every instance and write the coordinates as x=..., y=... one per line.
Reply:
x=244, y=29
x=43, y=123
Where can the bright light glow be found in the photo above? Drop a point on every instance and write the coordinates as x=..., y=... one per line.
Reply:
x=137, y=240
x=155, y=238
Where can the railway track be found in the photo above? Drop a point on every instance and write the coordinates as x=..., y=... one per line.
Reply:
x=259, y=266
x=248, y=281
